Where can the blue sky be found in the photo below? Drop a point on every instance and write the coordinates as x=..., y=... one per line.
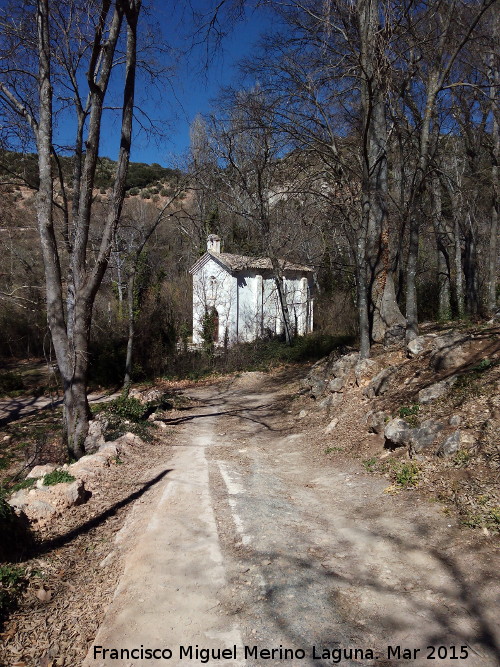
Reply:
x=193, y=86
x=189, y=89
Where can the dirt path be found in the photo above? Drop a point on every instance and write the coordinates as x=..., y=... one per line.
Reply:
x=12, y=409
x=248, y=546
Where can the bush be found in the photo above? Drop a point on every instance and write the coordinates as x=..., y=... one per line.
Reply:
x=127, y=408
x=406, y=474
x=57, y=477
x=10, y=382
x=260, y=355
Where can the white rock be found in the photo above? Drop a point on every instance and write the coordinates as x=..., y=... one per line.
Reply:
x=331, y=425
x=41, y=471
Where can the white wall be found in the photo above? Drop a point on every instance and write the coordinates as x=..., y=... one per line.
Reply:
x=248, y=305
x=214, y=287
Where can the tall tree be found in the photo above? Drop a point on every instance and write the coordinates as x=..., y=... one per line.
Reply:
x=71, y=55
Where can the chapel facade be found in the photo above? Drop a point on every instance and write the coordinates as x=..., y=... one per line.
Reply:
x=240, y=295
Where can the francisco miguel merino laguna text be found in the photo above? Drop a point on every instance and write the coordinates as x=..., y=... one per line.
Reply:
x=204, y=655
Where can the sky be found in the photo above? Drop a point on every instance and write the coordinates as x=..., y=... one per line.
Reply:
x=193, y=85
x=189, y=89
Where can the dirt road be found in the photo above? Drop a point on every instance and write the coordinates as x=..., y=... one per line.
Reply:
x=250, y=554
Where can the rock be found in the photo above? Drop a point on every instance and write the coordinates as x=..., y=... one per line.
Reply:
x=317, y=388
x=330, y=401
x=41, y=471
x=424, y=435
x=69, y=494
x=455, y=350
x=326, y=371
x=450, y=446
x=337, y=384
x=331, y=425
x=95, y=437
x=455, y=420
x=467, y=439
x=436, y=390
x=302, y=414
x=42, y=504
x=39, y=511
x=146, y=396
x=364, y=371
x=343, y=365
x=376, y=420
x=397, y=433
x=395, y=335
x=380, y=383
x=417, y=346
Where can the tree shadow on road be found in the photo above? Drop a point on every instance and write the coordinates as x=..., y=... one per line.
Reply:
x=337, y=603
x=96, y=521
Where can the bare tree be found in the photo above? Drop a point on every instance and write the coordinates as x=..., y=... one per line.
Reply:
x=72, y=43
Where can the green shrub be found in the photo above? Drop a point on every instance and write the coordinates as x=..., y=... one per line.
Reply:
x=27, y=483
x=409, y=410
x=10, y=382
x=406, y=474
x=57, y=477
x=410, y=414
x=370, y=464
x=127, y=408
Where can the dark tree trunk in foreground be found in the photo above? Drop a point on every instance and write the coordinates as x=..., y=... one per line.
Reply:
x=70, y=326
x=383, y=310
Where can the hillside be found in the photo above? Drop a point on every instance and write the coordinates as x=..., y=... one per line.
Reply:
x=23, y=168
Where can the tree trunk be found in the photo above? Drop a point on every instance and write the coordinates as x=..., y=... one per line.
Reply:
x=278, y=279
x=470, y=271
x=362, y=297
x=70, y=337
x=459, y=280
x=131, y=328
x=494, y=80
x=443, y=268
x=383, y=309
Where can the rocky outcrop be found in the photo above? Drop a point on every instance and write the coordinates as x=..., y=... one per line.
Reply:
x=455, y=350
x=96, y=434
x=398, y=433
x=376, y=421
x=329, y=375
x=424, y=435
x=146, y=396
x=436, y=390
x=43, y=503
x=380, y=383
x=450, y=446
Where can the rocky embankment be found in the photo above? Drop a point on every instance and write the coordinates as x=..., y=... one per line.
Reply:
x=434, y=397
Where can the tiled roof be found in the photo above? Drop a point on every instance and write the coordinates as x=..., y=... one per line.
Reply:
x=242, y=263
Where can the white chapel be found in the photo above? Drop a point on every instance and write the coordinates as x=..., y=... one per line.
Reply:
x=241, y=296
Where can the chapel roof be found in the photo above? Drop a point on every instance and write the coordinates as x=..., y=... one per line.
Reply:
x=244, y=263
